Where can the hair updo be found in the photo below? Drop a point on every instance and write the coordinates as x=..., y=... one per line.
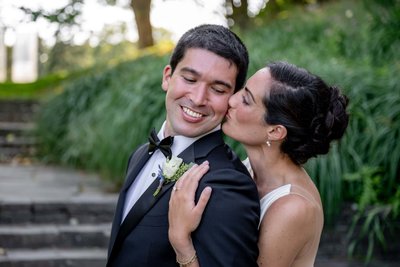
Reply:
x=313, y=113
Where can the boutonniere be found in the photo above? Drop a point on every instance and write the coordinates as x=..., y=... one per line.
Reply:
x=171, y=170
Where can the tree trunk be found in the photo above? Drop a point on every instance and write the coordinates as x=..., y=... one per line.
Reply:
x=141, y=9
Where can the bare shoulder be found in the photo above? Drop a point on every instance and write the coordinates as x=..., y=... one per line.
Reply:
x=290, y=227
x=293, y=213
x=292, y=206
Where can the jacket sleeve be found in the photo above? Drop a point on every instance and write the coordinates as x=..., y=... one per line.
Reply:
x=228, y=233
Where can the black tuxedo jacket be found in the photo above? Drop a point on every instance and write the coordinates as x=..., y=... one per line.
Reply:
x=227, y=235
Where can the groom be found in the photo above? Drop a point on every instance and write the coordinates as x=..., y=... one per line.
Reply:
x=208, y=65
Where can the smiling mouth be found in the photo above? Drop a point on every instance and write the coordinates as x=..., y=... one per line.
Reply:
x=192, y=113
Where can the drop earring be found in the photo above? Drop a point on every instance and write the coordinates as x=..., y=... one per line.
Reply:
x=268, y=143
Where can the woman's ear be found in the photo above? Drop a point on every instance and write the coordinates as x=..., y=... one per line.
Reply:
x=166, y=77
x=277, y=133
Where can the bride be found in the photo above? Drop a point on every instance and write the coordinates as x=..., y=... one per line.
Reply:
x=283, y=116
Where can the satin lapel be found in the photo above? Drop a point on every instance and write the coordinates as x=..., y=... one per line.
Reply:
x=144, y=203
x=138, y=211
x=139, y=158
x=202, y=147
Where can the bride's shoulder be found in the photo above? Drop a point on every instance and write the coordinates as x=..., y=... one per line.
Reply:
x=291, y=211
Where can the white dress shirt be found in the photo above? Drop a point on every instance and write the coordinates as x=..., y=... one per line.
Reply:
x=150, y=170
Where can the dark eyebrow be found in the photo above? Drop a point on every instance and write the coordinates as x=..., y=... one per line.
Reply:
x=249, y=92
x=227, y=85
x=196, y=73
x=190, y=70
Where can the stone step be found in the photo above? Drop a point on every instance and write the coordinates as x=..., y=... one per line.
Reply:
x=10, y=126
x=18, y=110
x=97, y=210
x=17, y=140
x=9, y=153
x=54, y=258
x=12, y=140
x=54, y=236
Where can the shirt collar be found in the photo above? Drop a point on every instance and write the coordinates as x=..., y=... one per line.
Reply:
x=182, y=142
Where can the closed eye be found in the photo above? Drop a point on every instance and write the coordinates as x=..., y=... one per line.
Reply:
x=189, y=80
x=218, y=91
x=244, y=100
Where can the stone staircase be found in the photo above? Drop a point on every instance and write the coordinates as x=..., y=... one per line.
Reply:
x=16, y=129
x=57, y=234
x=49, y=216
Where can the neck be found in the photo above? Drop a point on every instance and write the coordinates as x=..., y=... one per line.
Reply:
x=271, y=167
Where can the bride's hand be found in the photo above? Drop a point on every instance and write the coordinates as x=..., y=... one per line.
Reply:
x=184, y=215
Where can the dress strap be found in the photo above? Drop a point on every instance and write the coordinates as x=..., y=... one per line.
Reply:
x=267, y=200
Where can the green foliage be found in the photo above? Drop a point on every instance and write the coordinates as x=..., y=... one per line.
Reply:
x=375, y=219
x=385, y=25
x=370, y=230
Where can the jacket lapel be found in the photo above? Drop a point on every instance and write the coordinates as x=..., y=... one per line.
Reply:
x=139, y=158
x=202, y=147
x=143, y=204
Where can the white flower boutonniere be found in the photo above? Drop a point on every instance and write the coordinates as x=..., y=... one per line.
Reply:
x=171, y=170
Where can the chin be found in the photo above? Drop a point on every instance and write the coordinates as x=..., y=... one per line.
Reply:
x=188, y=132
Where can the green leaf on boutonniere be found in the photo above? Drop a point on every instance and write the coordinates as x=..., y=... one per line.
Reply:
x=171, y=171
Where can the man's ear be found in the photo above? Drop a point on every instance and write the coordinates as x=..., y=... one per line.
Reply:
x=166, y=77
x=277, y=132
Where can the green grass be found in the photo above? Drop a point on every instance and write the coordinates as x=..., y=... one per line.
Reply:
x=9, y=90
x=42, y=88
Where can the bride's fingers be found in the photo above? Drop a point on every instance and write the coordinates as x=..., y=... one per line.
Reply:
x=198, y=172
x=203, y=200
x=192, y=181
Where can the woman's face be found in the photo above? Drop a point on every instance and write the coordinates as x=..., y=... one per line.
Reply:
x=245, y=117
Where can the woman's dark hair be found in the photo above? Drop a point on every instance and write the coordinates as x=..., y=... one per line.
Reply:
x=313, y=113
x=216, y=39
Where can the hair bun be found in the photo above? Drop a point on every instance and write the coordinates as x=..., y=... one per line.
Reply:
x=336, y=119
x=331, y=122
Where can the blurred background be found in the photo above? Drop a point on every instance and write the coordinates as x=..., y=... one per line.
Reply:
x=87, y=73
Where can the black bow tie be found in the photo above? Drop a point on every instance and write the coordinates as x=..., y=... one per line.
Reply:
x=164, y=145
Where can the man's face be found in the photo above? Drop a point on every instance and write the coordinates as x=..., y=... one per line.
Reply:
x=197, y=92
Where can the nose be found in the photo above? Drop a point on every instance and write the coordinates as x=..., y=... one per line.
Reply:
x=233, y=100
x=199, y=95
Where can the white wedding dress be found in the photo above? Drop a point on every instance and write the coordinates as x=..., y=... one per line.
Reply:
x=267, y=200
